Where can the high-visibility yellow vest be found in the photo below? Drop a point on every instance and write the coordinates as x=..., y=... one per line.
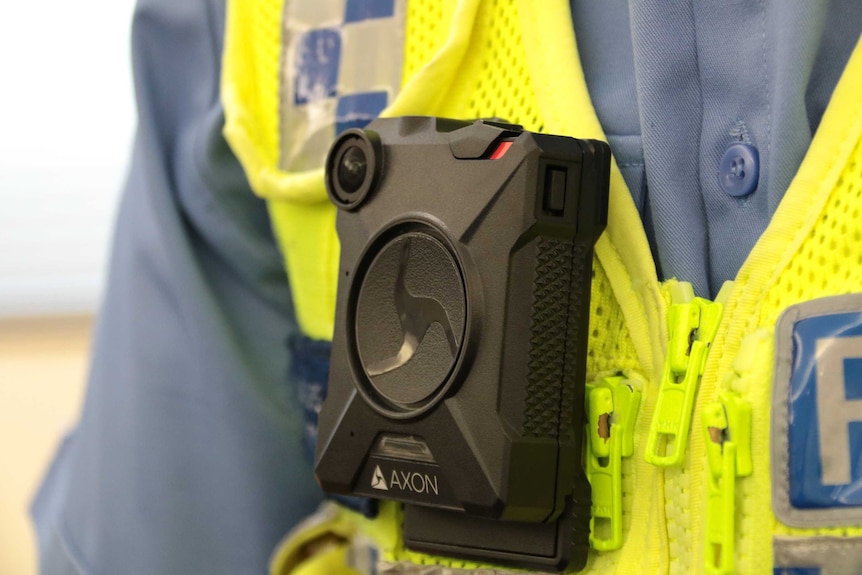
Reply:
x=714, y=500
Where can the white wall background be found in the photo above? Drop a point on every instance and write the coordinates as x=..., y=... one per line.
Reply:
x=66, y=123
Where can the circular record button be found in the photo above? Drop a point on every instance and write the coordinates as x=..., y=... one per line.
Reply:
x=410, y=318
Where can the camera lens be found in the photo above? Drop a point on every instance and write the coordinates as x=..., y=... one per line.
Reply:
x=353, y=167
x=352, y=170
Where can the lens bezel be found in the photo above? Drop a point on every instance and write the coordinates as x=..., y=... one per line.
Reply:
x=368, y=143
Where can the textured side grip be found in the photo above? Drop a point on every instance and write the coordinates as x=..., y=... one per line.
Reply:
x=548, y=334
x=579, y=515
x=576, y=332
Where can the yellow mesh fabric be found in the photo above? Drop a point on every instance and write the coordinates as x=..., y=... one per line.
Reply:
x=830, y=261
x=610, y=347
x=496, y=77
x=427, y=28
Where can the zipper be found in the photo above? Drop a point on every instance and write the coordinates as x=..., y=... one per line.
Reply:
x=612, y=408
x=727, y=433
x=727, y=430
x=692, y=325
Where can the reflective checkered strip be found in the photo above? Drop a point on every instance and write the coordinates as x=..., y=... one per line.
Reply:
x=817, y=555
x=341, y=66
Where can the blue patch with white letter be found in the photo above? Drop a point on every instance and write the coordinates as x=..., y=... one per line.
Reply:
x=817, y=413
x=825, y=434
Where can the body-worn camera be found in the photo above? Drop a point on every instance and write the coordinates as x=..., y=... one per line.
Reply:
x=456, y=381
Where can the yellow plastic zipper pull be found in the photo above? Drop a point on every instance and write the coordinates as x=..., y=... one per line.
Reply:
x=727, y=427
x=692, y=324
x=612, y=406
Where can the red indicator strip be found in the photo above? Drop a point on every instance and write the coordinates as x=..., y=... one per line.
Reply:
x=501, y=150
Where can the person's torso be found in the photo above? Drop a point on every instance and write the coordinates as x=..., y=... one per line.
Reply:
x=707, y=483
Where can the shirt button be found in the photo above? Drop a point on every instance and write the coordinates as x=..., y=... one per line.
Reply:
x=739, y=170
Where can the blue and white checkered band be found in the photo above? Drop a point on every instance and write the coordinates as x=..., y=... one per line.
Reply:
x=817, y=414
x=341, y=66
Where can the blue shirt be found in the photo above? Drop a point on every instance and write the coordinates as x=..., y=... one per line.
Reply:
x=677, y=83
x=187, y=458
x=189, y=455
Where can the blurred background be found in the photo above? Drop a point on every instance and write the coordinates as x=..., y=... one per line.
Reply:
x=66, y=124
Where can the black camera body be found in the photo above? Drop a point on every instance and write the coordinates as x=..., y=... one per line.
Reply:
x=456, y=381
